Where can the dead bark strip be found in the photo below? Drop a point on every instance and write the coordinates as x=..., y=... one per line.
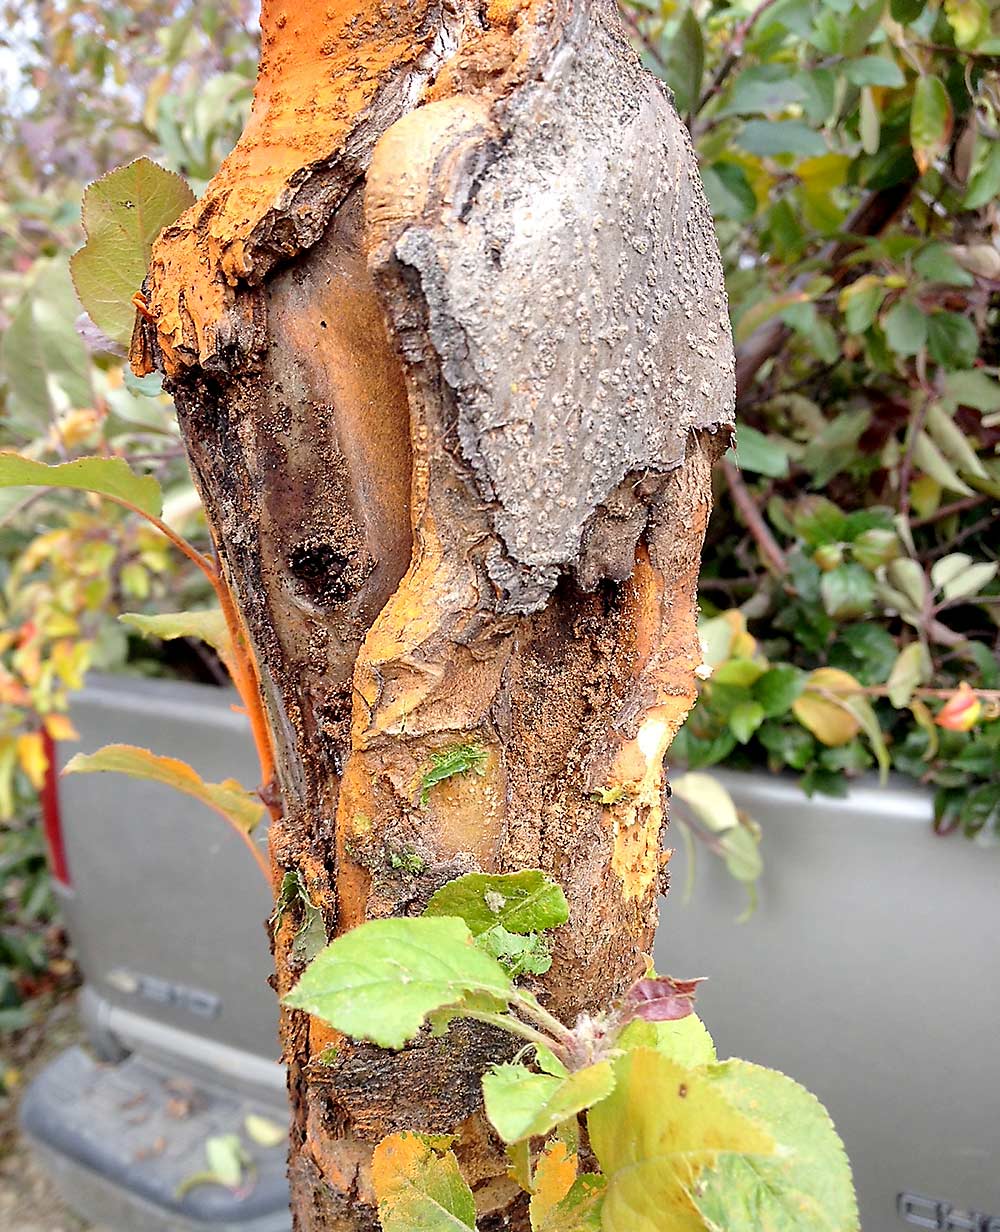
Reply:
x=449, y=345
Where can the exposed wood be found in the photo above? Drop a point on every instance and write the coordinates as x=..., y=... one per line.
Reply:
x=449, y=343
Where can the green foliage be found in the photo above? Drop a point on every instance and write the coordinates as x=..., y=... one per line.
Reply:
x=310, y=935
x=682, y=1140
x=850, y=156
x=458, y=759
x=111, y=477
x=123, y=213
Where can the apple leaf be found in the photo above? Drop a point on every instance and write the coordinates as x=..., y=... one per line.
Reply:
x=419, y=1185
x=106, y=476
x=522, y=1104
x=380, y=981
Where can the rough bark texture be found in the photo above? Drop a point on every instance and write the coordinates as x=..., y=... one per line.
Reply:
x=449, y=344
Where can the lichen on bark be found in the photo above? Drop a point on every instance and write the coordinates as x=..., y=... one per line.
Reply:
x=449, y=345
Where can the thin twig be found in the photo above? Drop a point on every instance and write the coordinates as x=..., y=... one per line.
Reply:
x=769, y=547
x=945, y=511
x=733, y=53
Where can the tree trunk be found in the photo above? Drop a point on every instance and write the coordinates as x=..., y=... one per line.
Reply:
x=448, y=340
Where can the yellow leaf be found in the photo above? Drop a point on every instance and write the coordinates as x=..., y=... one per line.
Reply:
x=820, y=708
x=654, y=1135
x=554, y=1177
x=32, y=759
x=59, y=727
x=418, y=1187
x=227, y=798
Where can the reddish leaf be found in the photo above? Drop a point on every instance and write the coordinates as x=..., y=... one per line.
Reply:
x=660, y=999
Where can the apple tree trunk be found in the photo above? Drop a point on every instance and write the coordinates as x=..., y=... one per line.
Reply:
x=449, y=344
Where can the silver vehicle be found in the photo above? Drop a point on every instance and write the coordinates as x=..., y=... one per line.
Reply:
x=868, y=972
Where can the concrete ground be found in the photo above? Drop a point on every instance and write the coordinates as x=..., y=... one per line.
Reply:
x=28, y=1201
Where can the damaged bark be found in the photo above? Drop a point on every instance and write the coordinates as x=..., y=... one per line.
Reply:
x=448, y=339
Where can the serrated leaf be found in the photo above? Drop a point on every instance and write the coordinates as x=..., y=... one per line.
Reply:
x=685, y=1040
x=522, y=1104
x=419, y=1186
x=106, y=476
x=207, y=626
x=123, y=213
x=227, y=798
x=656, y=1135
x=517, y=954
x=804, y=1183
x=523, y=902
x=380, y=981
x=911, y=669
x=930, y=120
x=705, y=796
x=563, y=1201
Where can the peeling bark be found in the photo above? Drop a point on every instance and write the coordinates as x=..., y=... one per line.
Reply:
x=448, y=340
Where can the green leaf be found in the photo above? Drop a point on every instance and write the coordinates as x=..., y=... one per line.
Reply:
x=874, y=71
x=657, y=1134
x=106, y=476
x=984, y=186
x=310, y=937
x=729, y=192
x=952, y=340
x=768, y=138
x=123, y=213
x=522, y=1104
x=518, y=955
x=911, y=669
x=973, y=388
x=971, y=581
x=869, y=122
x=744, y=720
x=685, y=62
x=380, y=981
x=207, y=626
x=778, y=688
x=952, y=441
x=906, y=11
x=760, y=454
x=937, y=264
x=524, y=902
x=418, y=1185
x=465, y=758
x=930, y=120
x=42, y=358
x=848, y=592
x=932, y=462
x=740, y=848
x=861, y=301
x=227, y=798
x=763, y=90
x=804, y=1183
x=905, y=328
x=685, y=1040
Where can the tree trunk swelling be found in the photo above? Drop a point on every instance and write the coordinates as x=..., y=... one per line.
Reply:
x=448, y=340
